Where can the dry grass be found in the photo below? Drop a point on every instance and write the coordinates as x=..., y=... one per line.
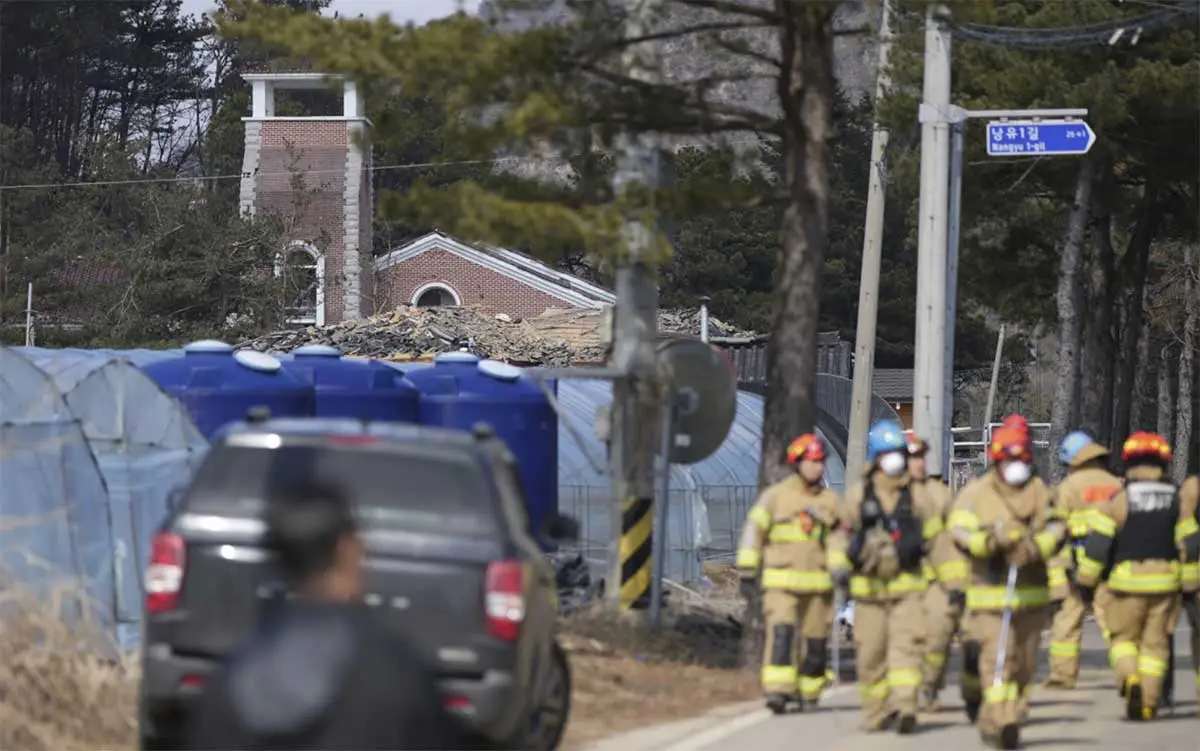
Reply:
x=56, y=694
x=626, y=678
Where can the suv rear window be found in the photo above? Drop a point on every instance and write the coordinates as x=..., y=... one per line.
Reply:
x=417, y=490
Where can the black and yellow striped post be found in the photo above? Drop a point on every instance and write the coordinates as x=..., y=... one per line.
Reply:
x=637, y=525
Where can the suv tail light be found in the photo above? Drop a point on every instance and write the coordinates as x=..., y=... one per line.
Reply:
x=504, y=599
x=164, y=575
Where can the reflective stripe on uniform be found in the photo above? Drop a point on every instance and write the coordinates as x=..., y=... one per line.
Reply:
x=1088, y=568
x=1098, y=522
x=1047, y=542
x=1057, y=576
x=1151, y=666
x=953, y=571
x=876, y=691
x=1064, y=649
x=932, y=527
x=1186, y=528
x=904, y=678
x=798, y=581
x=935, y=659
x=779, y=676
x=1189, y=576
x=1077, y=522
x=790, y=532
x=1123, y=579
x=810, y=687
x=996, y=598
x=748, y=558
x=1121, y=650
x=928, y=571
x=1007, y=691
x=759, y=517
x=869, y=586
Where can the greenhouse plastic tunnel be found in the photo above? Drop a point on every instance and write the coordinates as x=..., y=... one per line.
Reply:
x=145, y=445
x=54, y=505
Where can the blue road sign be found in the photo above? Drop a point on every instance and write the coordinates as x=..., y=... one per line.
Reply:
x=1039, y=138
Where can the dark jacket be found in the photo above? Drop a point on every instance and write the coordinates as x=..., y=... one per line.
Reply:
x=324, y=676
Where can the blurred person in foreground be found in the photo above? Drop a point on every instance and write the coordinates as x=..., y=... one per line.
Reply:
x=321, y=672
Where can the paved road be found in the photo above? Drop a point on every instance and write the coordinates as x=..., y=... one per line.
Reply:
x=1087, y=719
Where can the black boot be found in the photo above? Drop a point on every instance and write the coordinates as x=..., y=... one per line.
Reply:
x=778, y=703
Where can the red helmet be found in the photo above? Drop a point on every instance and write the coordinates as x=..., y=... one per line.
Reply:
x=916, y=445
x=1017, y=422
x=808, y=446
x=1009, y=442
x=1146, y=445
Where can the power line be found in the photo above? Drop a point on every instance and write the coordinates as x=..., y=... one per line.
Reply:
x=1101, y=33
x=293, y=173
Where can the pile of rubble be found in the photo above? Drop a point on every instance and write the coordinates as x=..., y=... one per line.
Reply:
x=420, y=333
x=554, y=339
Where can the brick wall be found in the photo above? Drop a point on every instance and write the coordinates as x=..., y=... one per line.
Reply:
x=474, y=284
x=318, y=151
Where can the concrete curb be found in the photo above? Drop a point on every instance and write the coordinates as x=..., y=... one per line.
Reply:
x=696, y=733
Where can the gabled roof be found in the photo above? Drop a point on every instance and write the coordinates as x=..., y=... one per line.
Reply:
x=516, y=266
x=893, y=384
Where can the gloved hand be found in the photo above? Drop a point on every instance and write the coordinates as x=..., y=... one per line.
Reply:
x=957, y=598
x=1021, y=554
x=1088, y=595
x=747, y=588
x=1009, y=533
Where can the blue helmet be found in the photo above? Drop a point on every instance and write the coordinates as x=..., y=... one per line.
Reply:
x=1072, y=445
x=885, y=436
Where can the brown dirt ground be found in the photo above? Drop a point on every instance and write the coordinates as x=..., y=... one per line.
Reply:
x=626, y=678
x=55, y=695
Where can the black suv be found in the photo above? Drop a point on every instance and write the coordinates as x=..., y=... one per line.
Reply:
x=451, y=563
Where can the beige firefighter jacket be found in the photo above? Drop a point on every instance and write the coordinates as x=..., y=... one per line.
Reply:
x=873, y=587
x=996, y=525
x=1086, y=487
x=953, y=571
x=1149, y=576
x=1189, y=535
x=790, y=538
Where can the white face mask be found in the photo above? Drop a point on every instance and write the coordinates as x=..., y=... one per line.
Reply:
x=893, y=463
x=1016, y=473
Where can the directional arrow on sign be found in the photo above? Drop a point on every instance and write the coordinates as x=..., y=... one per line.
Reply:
x=1039, y=138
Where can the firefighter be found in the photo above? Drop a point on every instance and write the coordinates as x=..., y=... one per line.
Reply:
x=790, y=545
x=1189, y=497
x=1087, y=484
x=1140, y=542
x=893, y=522
x=945, y=595
x=1005, y=522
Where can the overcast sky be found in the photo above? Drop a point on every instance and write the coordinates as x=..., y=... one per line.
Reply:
x=418, y=11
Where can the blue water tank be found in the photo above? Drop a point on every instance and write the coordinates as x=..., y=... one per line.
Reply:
x=460, y=391
x=350, y=387
x=218, y=386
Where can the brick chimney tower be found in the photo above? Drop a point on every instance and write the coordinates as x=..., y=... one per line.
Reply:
x=315, y=172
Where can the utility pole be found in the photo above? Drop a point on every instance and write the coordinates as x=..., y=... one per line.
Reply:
x=929, y=371
x=636, y=398
x=955, y=230
x=872, y=257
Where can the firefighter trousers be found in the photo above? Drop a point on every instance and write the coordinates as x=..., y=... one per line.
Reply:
x=795, y=650
x=1066, y=633
x=888, y=637
x=1142, y=625
x=941, y=623
x=1002, y=700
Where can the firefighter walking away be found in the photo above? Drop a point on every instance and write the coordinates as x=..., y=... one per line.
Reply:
x=946, y=594
x=1140, y=542
x=1087, y=485
x=1189, y=496
x=1005, y=522
x=893, y=522
x=790, y=546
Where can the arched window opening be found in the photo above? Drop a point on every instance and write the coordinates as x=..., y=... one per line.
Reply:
x=303, y=279
x=435, y=296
